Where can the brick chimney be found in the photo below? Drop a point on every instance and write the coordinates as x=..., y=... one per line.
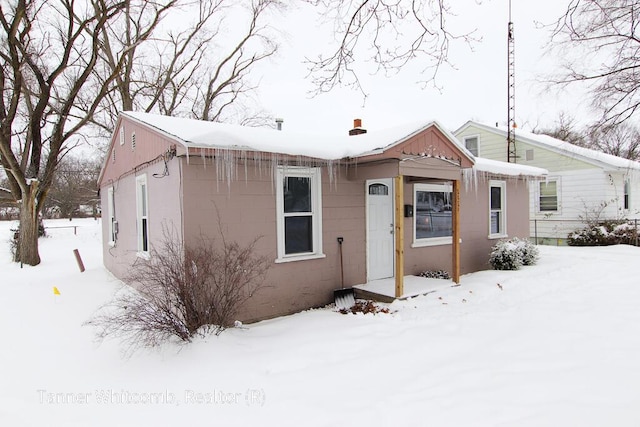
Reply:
x=357, y=128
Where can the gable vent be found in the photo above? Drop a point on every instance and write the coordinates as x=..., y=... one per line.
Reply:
x=133, y=140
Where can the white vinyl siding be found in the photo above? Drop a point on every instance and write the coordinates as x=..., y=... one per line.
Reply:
x=299, y=213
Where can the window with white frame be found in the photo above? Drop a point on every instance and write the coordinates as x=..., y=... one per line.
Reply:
x=497, y=209
x=432, y=218
x=113, y=226
x=471, y=143
x=548, y=196
x=299, y=213
x=627, y=189
x=142, y=203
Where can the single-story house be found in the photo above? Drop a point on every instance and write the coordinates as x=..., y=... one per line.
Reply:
x=392, y=203
x=582, y=183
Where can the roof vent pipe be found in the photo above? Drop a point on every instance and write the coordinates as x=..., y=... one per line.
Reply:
x=279, y=123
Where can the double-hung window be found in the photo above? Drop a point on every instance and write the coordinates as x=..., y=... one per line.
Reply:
x=113, y=226
x=432, y=219
x=548, y=196
x=471, y=144
x=497, y=209
x=142, y=203
x=627, y=190
x=299, y=213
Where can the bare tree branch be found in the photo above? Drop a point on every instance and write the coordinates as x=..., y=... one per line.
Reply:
x=599, y=45
x=388, y=33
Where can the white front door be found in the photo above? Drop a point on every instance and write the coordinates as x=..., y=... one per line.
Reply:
x=380, y=227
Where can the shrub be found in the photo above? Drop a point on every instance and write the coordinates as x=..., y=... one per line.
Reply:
x=511, y=254
x=435, y=274
x=183, y=292
x=603, y=233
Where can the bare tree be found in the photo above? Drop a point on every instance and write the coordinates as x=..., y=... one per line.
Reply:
x=598, y=43
x=622, y=140
x=388, y=33
x=196, y=65
x=49, y=51
x=74, y=188
x=565, y=129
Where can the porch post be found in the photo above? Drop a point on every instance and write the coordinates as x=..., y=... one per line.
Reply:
x=399, y=232
x=455, y=216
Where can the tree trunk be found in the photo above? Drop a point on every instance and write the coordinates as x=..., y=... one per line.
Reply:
x=27, y=248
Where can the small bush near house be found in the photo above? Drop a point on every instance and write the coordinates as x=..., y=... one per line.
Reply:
x=183, y=292
x=435, y=274
x=511, y=254
x=603, y=233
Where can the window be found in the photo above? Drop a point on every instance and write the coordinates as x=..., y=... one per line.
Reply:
x=529, y=155
x=548, y=196
x=432, y=220
x=113, y=225
x=121, y=135
x=299, y=212
x=626, y=194
x=497, y=209
x=142, y=214
x=471, y=143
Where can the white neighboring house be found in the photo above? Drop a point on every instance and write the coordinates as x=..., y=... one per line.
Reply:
x=581, y=182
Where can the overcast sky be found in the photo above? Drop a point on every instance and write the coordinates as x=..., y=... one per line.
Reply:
x=476, y=90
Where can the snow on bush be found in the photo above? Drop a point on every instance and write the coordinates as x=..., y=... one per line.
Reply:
x=511, y=254
x=604, y=233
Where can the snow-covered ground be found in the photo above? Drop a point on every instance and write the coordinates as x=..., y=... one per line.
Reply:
x=557, y=344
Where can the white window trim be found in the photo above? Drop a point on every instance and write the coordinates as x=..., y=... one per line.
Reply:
x=626, y=194
x=431, y=241
x=503, y=203
x=464, y=142
x=316, y=212
x=140, y=180
x=111, y=216
x=558, y=192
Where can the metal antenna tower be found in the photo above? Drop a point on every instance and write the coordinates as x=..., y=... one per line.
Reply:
x=511, y=92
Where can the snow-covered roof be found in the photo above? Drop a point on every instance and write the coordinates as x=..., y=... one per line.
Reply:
x=507, y=169
x=598, y=158
x=204, y=134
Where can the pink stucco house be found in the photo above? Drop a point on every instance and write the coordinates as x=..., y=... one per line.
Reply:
x=401, y=201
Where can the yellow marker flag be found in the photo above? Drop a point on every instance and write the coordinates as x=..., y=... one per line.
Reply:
x=56, y=291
